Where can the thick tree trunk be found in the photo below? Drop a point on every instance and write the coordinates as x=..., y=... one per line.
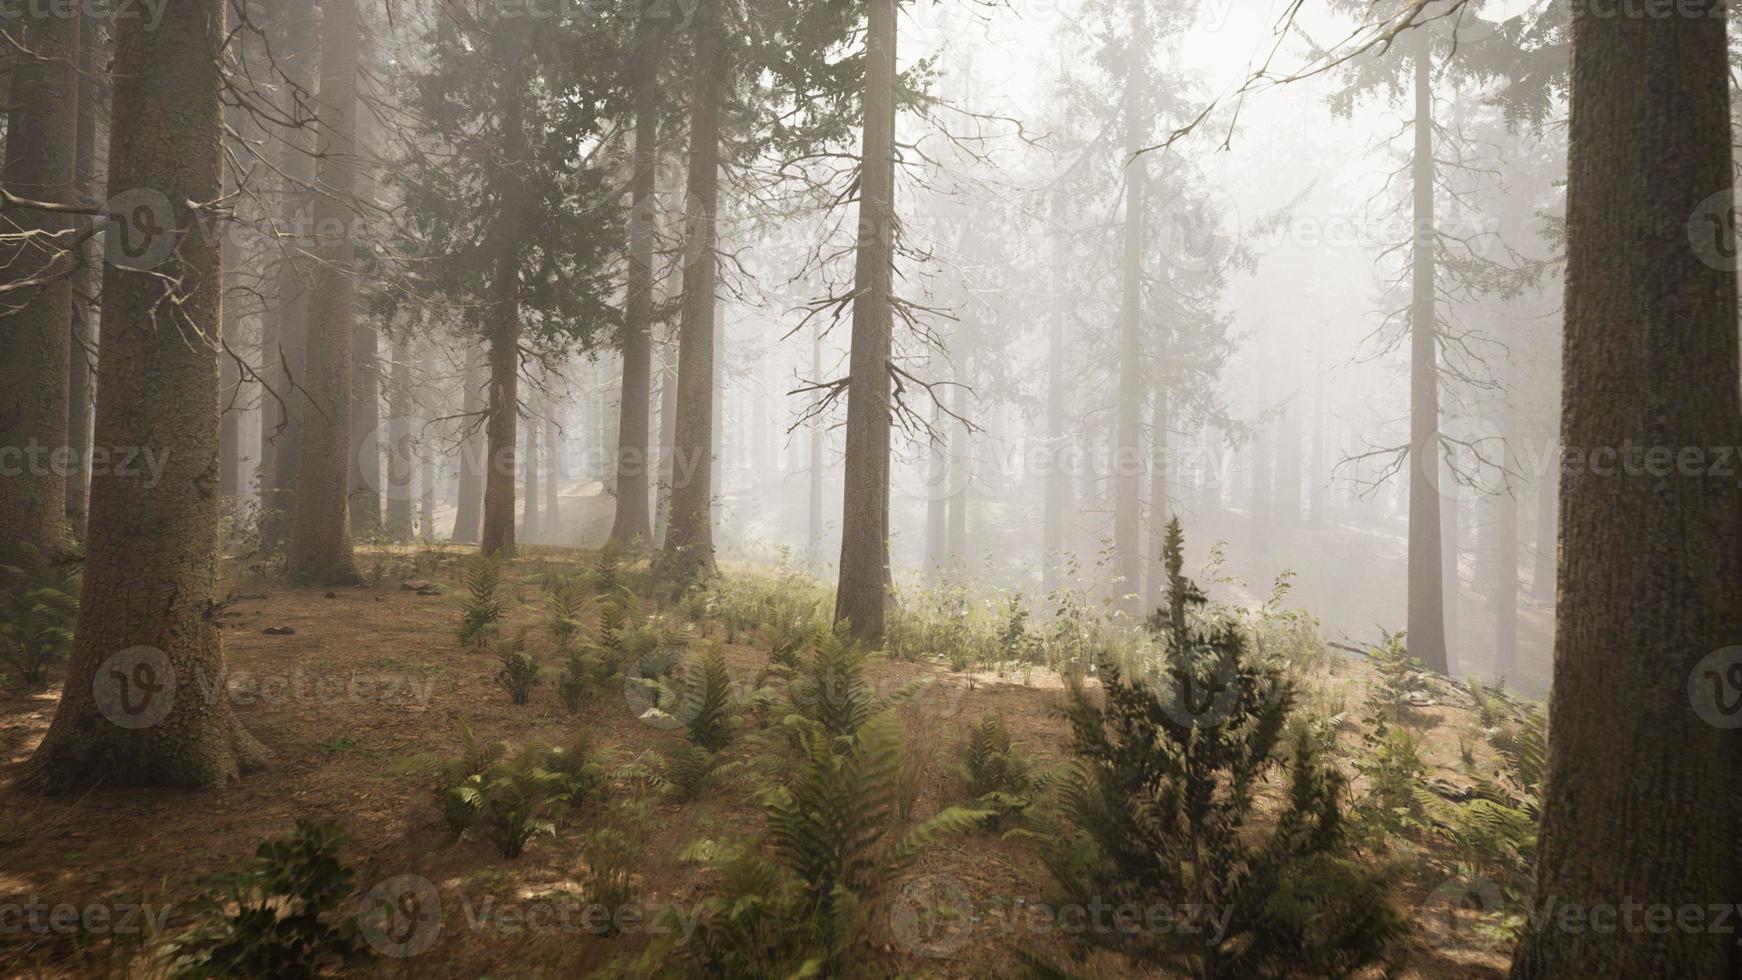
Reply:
x=35, y=341
x=320, y=532
x=87, y=279
x=632, y=522
x=688, y=552
x=1641, y=800
x=862, y=593
x=144, y=700
x=504, y=324
x=401, y=486
x=469, y=509
x=1426, y=616
x=286, y=348
x=365, y=477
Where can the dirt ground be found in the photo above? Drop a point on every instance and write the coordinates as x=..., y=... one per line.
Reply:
x=373, y=678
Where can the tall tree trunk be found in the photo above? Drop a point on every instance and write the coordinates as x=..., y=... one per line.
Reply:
x=1505, y=588
x=284, y=353
x=87, y=279
x=1128, y=408
x=365, y=476
x=530, y=521
x=1451, y=574
x=632, y=522
x=818, y=435
x=504, y=340
x=553, y=474
x=1641, y=802
x=136, y=708
x=1427, y=622
x=35, y=339
x=667, y=437
x=426, y=456
x=937, y=485
x=401, y=483
x=861, y=594
x=959, y=478
x=1542, y=580
x=1058, y=479
x=469, y=509
x=688, y=552
x=320, y=533
x=1159, y=510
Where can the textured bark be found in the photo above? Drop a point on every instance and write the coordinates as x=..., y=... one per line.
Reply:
x=42, y=136
x=862, y=593
x=320, y=532
x=469, y=509
x=632, y=523
x=298, y=59
x=87, y=279
x=1426, y=615
x=150, y=569
x=1641, y=800
x=400, y=486
x=366, y=478
x=688, y=552
x=503, y=403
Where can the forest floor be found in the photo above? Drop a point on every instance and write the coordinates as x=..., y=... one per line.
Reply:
x=373, y=677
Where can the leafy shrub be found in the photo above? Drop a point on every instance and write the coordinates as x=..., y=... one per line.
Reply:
x=38, y=608
x=996, y=778
x=277, y=918
x=580, y=673
x=829, y=691
x=483, y=600
x=608, y=571
x=474, y=758
x=707, y=704
x=1403, y=683
x=520, y=670
x=1160, y=798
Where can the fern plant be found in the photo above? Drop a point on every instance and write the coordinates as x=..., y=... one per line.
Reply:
x=564, y=602
x=514, y=801
x=829, y=691
x=473, y=759
x=39, y=606
x=707, y=702
x=483, y=599
x=688, y=771
x=277, y=918
x=520, y=670
x=996, y=777
x=1160, y=799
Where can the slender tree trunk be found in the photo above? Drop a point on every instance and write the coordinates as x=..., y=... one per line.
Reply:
x=1427, y=616
x=1128, y=409
x=1262, y=488
x=320, y=533
x=553, y=474
x=281, y=418
x=1159, y=510
x=229, y=375
x=1317, y=502
x=87, y=279
x=469, y=509
x=365, y=476
x=35, y=341
x=667, y=437
x=401, y=483
x=937, y=484
x=1505, y=592
x=137, y=707
x=426, y=457
x=1288, y=462
x=1058, y=479
x=1645, y=750
x=959, y=478
x=1542, y=581
x=632, y=522
x=818, y=435
x=529, y=517
x=688, y=552
x=861, y=596
x=504, y=400
x=1451, y=574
